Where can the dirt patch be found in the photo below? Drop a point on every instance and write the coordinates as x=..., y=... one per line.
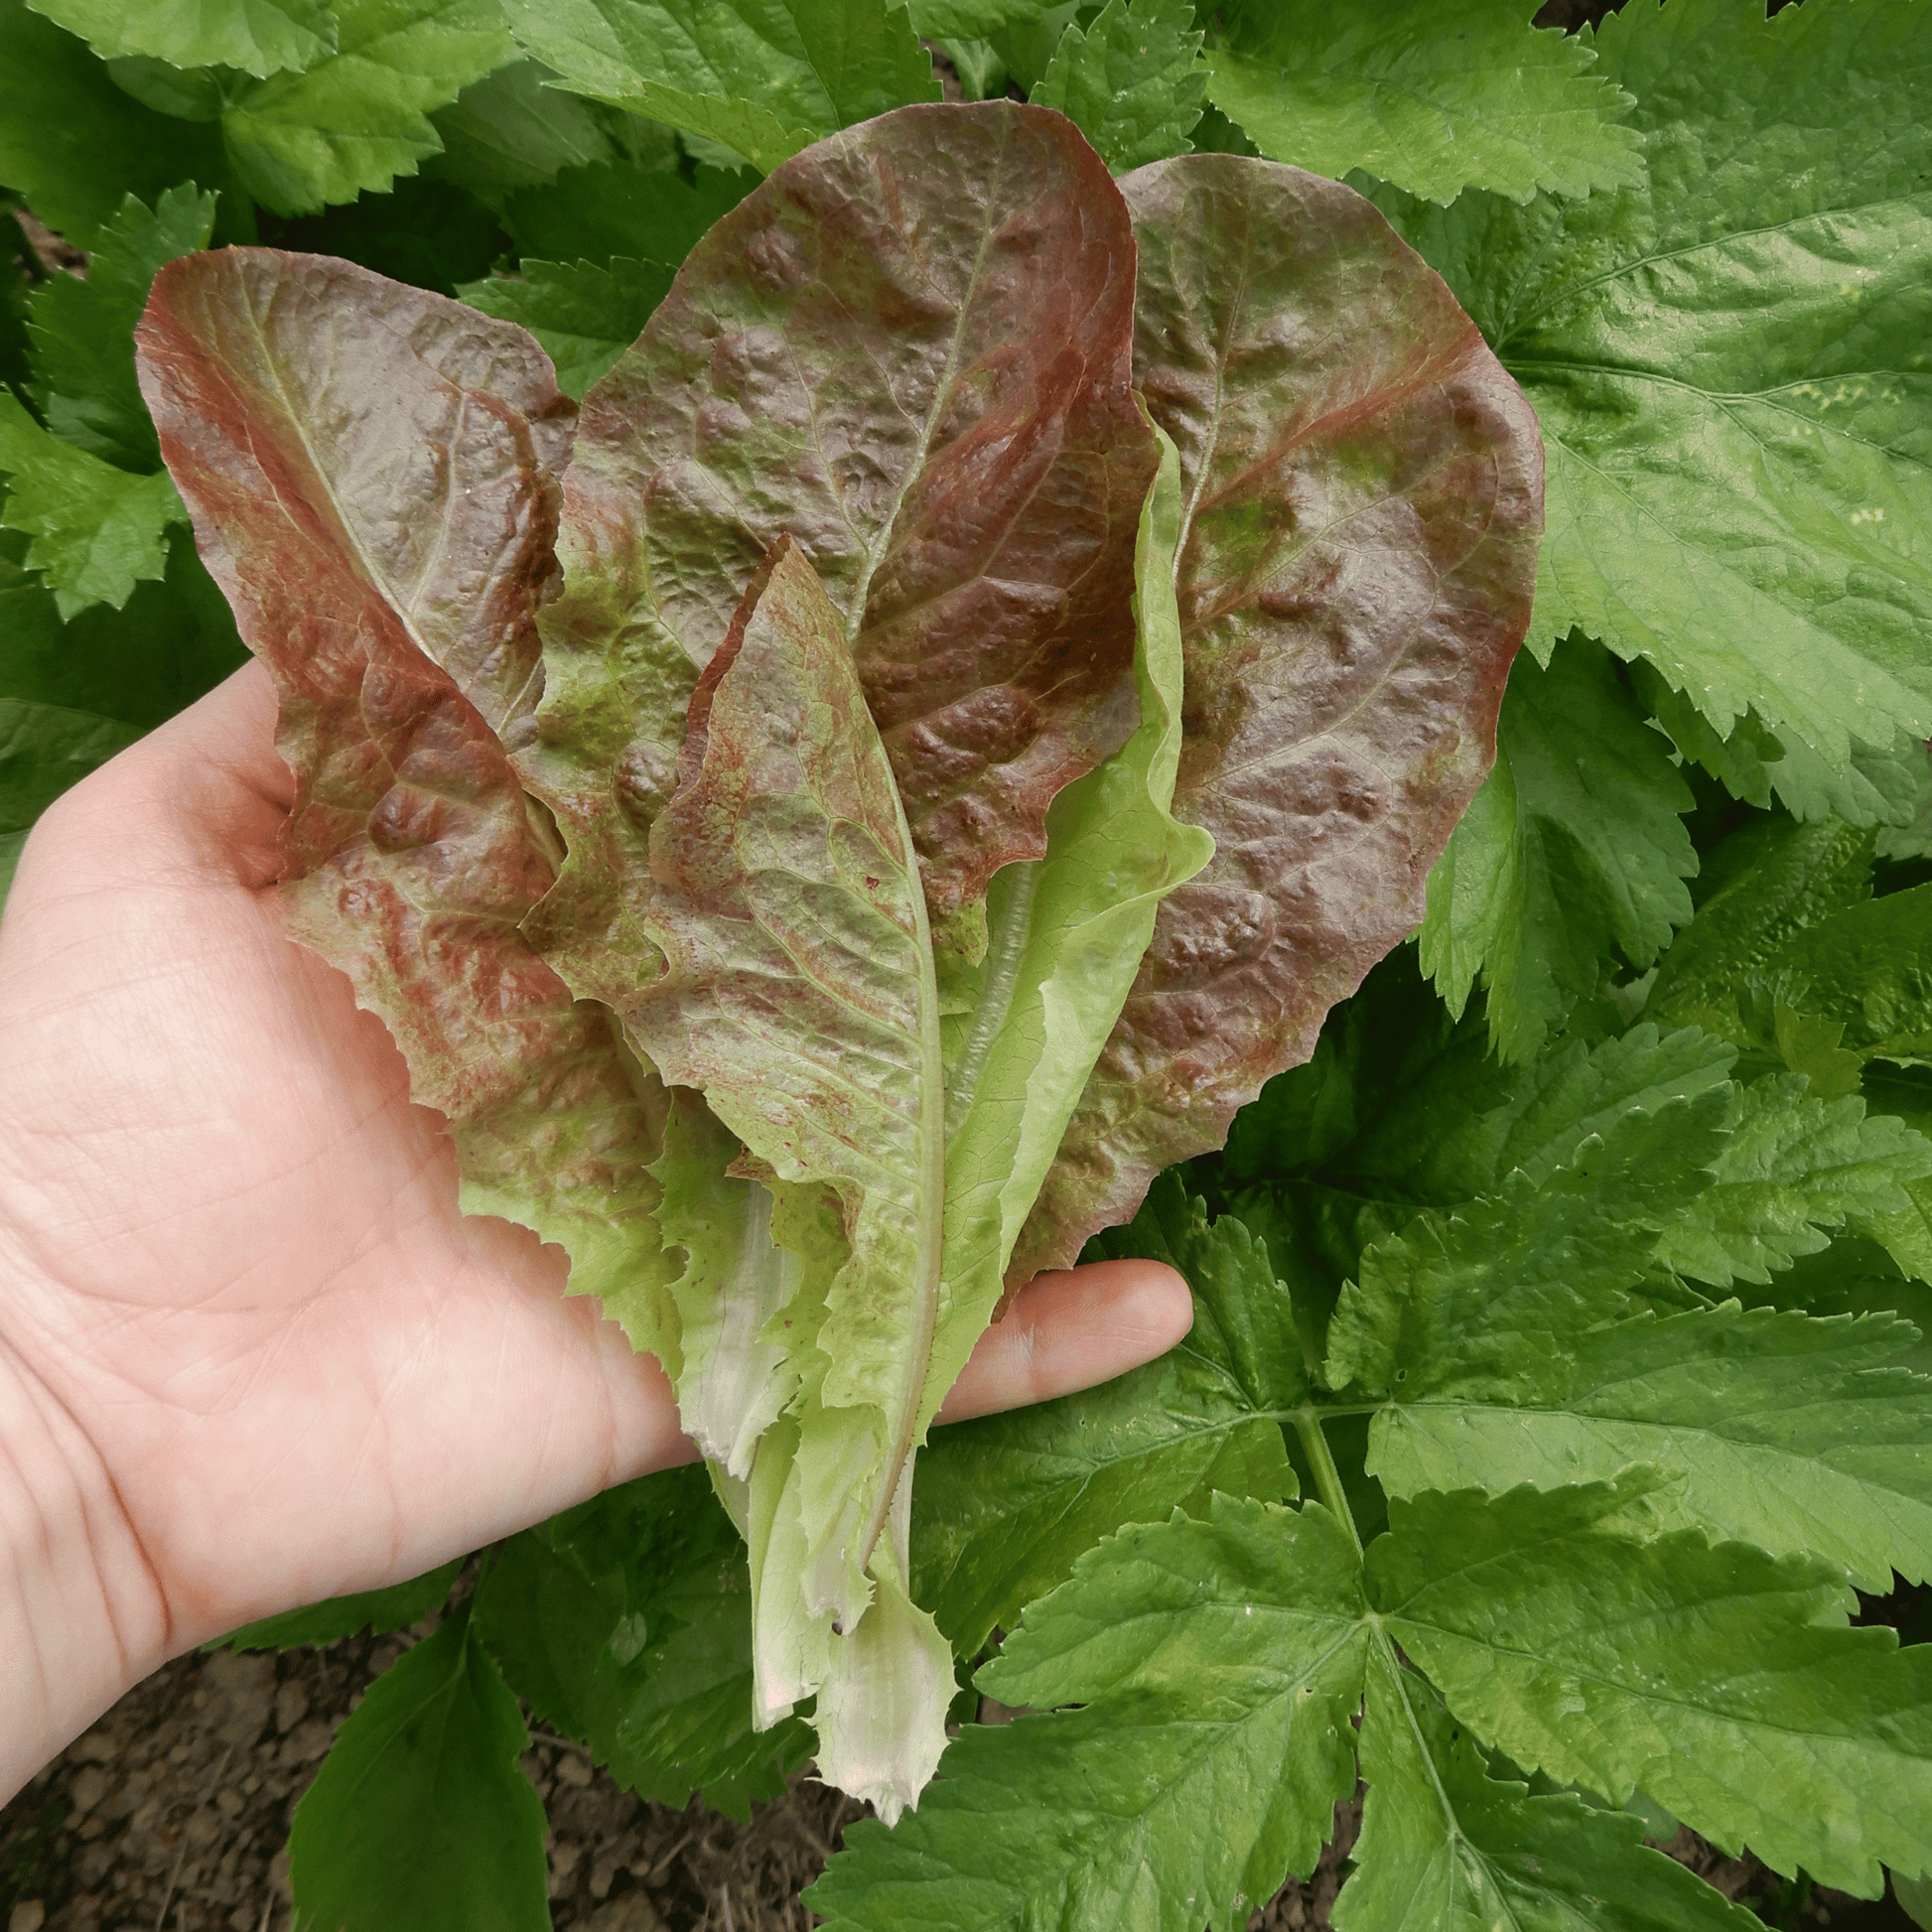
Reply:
x=172, y=1814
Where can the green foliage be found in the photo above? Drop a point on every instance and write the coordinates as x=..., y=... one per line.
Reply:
x=83, y=332
x=1430, y=98
x=421, y=1818
x=358, y=117
x=1572, y=855
x=761, y=79
x=1130, y=81
x=625, y=1625
x=96, y=530
x=377, y=1611
x=1737, y=484
x=259, y=37
x=584, y=314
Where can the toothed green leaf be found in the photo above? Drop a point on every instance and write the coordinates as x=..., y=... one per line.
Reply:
x=584, y=314
x=96, y=530
x=1573, y=854
x=763, y=80
x=1131, y=82
x=1447, y=1847
x=259, y=37
x=1435, y=99
x=83, y=330
x=1729, y=364
x=1722, y=1681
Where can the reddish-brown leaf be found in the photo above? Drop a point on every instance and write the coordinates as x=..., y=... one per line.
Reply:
x=910, y=349
x=1363, y=489
x=370, y=473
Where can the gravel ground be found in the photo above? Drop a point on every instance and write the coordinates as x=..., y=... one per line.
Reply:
x=172, y=1813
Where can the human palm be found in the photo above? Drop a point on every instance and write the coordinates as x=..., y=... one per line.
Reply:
x=249, y=1332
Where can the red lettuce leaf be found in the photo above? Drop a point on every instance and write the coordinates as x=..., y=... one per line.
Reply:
x=370, y=473
x=1364, y=491
x=910, y=349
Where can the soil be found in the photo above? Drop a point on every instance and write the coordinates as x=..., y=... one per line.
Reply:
x=172, y=1814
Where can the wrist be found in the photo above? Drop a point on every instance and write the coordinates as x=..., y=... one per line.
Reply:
x=82, y=1619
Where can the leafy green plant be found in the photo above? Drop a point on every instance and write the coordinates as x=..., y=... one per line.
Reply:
x=1144, y=563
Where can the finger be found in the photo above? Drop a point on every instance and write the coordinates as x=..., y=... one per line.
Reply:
x=200, y=800
x=1070, y=1329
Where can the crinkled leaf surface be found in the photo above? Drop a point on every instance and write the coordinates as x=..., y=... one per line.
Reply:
x=1435, y=99
x=1219, y=1663
x=421, y=1819
x=1789, y=1432
x=73, y=143
x=259, y=37
x=1729, y=365
x=1447, y=1848
x=763, y=77
x=1720, y=1679
x=1131, y=82
x=909, y=349
x=370, y=468
x=96, y=530
x=1359, y=519
x=787, y=904
x=1868, y=970
x=82, y=331
x=359, y=117
x=1573, y=854
x=584, y=314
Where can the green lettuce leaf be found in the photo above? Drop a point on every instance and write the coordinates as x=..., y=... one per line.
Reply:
x=44, y=748
x=641, y=209
x=96, y=530
x=259, y=37
x=1329, y=791
x=1131, y=82
x=1738, y=479
x=82, y=331
x=357, y=118
x=294, y=399
x=584, y=314
x=1432, y=99
x=73, y=143
x=421, y=1819
x=786, y=901
x=1573, y=854
x=762, y=80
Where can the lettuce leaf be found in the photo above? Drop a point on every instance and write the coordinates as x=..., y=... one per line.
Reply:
x=370, y=470
x=1363, y=493
x=910, y=349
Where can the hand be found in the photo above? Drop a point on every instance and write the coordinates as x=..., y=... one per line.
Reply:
x=251, y=1355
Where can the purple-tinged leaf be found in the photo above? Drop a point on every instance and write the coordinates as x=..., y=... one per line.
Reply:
x=910, y=349
x=370, y=469
x=1362, y=488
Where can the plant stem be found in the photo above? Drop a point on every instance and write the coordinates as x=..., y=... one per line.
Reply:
x=1327, y=1479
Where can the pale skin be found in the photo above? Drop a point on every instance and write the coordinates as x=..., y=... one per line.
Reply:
x=251, y=1355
